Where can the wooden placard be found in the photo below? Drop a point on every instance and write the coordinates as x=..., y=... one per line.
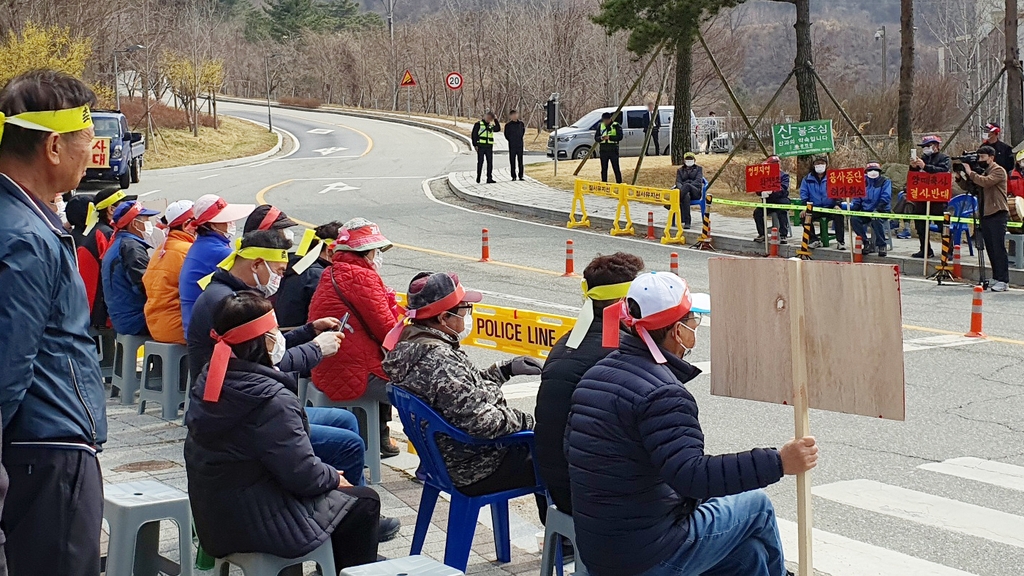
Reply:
x=852, y=330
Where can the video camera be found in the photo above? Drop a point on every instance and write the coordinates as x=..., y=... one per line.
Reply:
x=969, y=158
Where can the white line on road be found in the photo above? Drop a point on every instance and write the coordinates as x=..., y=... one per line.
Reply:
x=940, y=341
x=987, y=471
x=321, y=131
x=922, y=508
x=148, y=193
x=455, y=147
x=840, y=556
x=210, y=176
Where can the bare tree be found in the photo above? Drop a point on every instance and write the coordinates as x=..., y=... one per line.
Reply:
x=1014, y=79
x=904, y=127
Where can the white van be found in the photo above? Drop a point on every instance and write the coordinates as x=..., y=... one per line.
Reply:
x=575, y=141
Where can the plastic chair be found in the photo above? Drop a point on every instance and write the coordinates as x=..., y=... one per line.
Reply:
x=125, y=377
x=371, y=435
x=1015, y=250
x=134, y=510
x=173, y=378
x=257, y=564
x=960, y=206
x=557, y=525
x=422, y=424
x=409, y=566
x=104, y=338
x=703, y=201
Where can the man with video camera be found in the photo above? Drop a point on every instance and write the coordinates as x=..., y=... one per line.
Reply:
x=987, y=181
x=934, y=162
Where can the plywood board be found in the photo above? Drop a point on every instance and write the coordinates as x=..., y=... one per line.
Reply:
x=852, y=333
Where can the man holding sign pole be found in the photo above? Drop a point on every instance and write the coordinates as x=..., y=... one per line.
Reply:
x=934, y=162
x=646, y=498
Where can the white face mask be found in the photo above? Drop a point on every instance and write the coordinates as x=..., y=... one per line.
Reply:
x=61, y=207
x=687, y=351
x=147, y=232
x=928, y=151
x=273, y=283
x=467, y=329
x=277, y=353
x=689, y=162
x=819, y=168
x=873, y=174
x=289, y=236
x=232, y=230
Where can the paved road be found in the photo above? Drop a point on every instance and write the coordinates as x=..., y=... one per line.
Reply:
x=888, y=502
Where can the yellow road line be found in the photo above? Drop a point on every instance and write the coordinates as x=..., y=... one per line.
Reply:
x=369, y=141
x=955, y=333
x=261, y=198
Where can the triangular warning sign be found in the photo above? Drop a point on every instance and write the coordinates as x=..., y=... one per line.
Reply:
x=407, y=80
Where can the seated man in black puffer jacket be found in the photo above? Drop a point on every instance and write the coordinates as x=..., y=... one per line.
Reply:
x=254, y=483
x=646, y=499
x=606, y=280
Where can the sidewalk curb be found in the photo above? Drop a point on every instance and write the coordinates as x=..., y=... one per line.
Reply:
x=234, y=161
x=729, y=244
x=384, y=117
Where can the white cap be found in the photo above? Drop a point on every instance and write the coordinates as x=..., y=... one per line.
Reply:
x=663, y=299
x=177, y=212
x=214, y=209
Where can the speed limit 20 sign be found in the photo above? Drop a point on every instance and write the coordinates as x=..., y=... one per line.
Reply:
x=453, y=80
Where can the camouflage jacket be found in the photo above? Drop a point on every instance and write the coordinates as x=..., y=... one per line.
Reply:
x=428, y=364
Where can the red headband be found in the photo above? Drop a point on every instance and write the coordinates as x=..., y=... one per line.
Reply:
x=269, y=219
x=222, y=351
x=212, y=211
x=429, y=311
x=615, y=314
x=181, y=220
x=128, y=216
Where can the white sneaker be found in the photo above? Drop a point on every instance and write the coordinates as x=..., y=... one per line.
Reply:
x=999, y=287
x=840, y=246
x=815, y=244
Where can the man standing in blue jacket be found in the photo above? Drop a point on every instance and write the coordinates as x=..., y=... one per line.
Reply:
x=877, y=199
x=51, y=395
x=123, y=266
x=814, y=190
x=646, y=499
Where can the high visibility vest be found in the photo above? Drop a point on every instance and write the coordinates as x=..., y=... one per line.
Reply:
x=485, y=134
x=612, y=130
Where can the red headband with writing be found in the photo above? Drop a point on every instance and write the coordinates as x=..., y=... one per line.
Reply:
x=269, y=219
x=128, y=216
x=430, y=310
x=222, y=351
x=211, y=212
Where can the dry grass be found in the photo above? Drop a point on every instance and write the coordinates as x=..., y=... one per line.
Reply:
x=235, y=139
x=658, y=171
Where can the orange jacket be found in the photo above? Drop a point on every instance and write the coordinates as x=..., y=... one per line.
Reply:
x=163, y=304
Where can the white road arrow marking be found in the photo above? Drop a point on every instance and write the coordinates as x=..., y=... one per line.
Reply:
x=329, y=151
x=320, y=131
x=337, y=187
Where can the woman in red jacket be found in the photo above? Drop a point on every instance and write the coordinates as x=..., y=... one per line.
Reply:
x=352, y=285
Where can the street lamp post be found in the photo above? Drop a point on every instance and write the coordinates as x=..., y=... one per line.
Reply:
x=128, y=50
x=880, y=35
x=270, y=120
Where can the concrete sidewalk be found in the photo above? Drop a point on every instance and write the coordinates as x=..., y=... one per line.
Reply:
x=731, y=234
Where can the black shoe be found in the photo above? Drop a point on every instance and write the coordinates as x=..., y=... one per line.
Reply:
x=388, y=529
x=784, y=240
x=388, y=448
x=882, y=254
x=686, y=226
x=477, y=179
x=920, y=254
x=759, y=239
x=522, y=179
x=491, y=182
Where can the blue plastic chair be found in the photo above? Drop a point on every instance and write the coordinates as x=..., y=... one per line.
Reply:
x=960, y=206
x=422, y=424
x=703, y=202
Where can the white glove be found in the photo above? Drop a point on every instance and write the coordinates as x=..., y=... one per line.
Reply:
x=329, y=342
x=765, y=195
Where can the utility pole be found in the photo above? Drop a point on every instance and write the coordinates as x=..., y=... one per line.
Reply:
x=1014, y=77
x=880, y=35
x=266, y=60
x=128, y=50
x=389, y=13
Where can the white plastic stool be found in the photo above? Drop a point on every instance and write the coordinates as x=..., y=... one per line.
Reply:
x=408, y=566
x=556, y=525
x=134, y=510
x=256, y=564
x=125, y=378
x=173, y=374
x=371, y=408
x=1015, y=250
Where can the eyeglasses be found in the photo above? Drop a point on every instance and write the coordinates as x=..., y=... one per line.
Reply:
x=698, y=318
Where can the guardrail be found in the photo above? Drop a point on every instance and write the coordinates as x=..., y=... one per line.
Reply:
x=625, y=193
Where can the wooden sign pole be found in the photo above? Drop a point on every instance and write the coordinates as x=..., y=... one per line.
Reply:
x=927, y=241
x=767, y=228
x=849, y=226
x=801, y=412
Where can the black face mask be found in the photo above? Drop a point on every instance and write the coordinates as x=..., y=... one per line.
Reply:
x=982, y=164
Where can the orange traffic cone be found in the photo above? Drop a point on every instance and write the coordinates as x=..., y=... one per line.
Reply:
x=976, y=315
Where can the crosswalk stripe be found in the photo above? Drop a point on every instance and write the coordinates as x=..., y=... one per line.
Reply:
x=994, y=473
x=927, y=509
x=840, y=556
x=940, y=341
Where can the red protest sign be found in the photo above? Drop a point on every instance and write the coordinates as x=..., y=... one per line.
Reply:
x=846, y=183
x=925, y=187
x=763, y=178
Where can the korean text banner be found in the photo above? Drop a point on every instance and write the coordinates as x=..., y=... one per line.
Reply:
x=803, y=138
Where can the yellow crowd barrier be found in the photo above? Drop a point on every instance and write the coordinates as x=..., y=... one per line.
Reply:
x=624, y=193
x=514, y=331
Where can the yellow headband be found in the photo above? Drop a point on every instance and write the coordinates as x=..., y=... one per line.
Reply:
x=248, y=253
x=92, y=216
x=59, y=121
x=308, y=251
x=608, y=292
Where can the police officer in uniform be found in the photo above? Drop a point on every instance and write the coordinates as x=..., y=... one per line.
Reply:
x=483, y=141
x=608, y=135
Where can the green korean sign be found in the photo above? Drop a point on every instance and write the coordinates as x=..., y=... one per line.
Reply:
x=803, y=138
